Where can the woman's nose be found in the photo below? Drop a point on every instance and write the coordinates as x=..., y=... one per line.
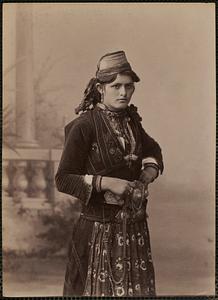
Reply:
x=122, y=91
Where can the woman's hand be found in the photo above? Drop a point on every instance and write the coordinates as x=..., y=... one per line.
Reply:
x=116, y=185
x=148, y=175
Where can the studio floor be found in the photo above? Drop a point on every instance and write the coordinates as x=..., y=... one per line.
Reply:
x=44, y=277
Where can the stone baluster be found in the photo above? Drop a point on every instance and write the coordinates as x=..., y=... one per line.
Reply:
x=20, y=180
x=5, y=178
x=38, y=183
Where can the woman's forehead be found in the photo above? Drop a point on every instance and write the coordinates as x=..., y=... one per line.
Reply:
x=123, y=79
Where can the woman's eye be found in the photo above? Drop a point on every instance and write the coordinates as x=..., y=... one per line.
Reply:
x=117, y=86
x=129, y=86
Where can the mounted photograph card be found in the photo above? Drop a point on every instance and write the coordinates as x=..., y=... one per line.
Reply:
x=109, y=138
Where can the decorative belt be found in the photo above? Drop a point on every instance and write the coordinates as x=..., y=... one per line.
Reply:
x=118, y=218
x=95, y=218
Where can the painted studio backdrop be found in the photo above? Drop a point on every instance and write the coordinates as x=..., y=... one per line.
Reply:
x=50, y=53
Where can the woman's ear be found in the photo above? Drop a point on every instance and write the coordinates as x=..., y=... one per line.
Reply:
x=99, y=87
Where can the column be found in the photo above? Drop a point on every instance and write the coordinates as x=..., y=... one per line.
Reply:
x=25, y=104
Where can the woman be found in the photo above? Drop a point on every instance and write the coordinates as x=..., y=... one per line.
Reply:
x=107, y=162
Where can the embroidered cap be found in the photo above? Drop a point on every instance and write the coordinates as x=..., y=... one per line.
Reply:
x=114, y=63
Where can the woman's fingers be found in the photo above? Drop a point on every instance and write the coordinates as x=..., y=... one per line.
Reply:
x=132, y=184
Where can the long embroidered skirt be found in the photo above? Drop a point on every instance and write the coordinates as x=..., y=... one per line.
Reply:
x=116, y=268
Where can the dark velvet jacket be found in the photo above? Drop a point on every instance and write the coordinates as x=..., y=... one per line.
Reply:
x=91, y=147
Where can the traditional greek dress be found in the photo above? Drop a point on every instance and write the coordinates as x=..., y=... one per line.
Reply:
x=109, y=253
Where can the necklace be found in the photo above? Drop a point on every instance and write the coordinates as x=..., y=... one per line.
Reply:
x=119, y=121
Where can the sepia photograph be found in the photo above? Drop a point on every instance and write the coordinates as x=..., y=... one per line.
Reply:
x=109, y=139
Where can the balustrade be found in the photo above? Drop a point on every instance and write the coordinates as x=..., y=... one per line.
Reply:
x=20, y=180
x=38, y=184
x=29, y=176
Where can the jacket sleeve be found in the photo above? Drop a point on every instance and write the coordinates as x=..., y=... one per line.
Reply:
x=151, y=148
x=70, y=177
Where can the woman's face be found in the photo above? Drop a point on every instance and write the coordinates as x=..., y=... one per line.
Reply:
x=117, y=94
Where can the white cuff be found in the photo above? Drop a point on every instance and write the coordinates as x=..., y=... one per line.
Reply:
x=149, y=160
x=88, y=179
